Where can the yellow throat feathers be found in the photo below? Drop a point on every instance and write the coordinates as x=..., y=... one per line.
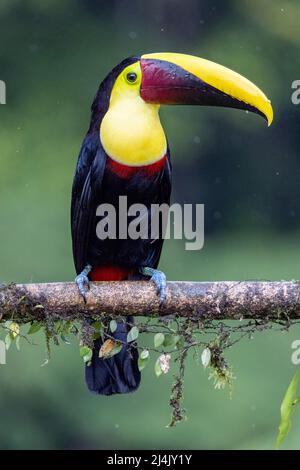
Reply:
x=131, y=132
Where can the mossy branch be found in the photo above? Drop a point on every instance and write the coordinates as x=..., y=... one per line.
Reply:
x=198, y=300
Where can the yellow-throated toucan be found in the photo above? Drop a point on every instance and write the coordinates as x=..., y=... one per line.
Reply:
x=125, y=153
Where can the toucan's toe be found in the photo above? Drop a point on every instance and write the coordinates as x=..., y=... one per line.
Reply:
x=159, y=279
x=83, y=284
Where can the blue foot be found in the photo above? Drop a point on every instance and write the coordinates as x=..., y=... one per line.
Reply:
x=159, y=279
x=83, y=282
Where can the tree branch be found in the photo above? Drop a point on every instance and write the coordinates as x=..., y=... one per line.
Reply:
x=200, y=300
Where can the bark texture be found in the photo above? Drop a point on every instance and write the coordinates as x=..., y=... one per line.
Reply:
x=201, y=300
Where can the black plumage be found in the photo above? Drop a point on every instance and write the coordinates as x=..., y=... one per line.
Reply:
x=95, y=183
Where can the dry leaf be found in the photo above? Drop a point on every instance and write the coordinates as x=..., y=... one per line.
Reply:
x=106, y=348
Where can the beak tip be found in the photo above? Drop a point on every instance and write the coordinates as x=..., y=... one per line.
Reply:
x=270, y=120
x=269, y=114
x=238, y=89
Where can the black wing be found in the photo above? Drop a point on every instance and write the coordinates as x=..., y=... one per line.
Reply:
x=85, y=194
x=164, y=194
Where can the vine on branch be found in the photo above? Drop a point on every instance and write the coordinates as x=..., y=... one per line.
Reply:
x=174, y=339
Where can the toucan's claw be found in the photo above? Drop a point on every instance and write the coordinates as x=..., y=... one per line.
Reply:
x=159, y=279
x=83, y=282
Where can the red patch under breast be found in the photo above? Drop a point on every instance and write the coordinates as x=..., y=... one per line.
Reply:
x=109, y=273
x=126, y=171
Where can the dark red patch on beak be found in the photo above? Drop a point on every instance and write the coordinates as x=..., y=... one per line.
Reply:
x=166, y=83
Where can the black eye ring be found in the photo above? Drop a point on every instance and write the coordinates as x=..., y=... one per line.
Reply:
x=131, y=77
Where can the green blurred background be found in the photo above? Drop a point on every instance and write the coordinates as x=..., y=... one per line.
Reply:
x=53, y=55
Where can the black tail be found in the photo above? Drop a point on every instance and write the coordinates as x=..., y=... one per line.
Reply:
x=118, y=374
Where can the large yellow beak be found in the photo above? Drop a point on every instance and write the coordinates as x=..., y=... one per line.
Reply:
x=170, y=78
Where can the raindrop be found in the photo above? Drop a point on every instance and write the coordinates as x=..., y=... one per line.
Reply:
x=132, y=35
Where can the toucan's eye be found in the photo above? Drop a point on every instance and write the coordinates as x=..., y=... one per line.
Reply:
x=131, y=77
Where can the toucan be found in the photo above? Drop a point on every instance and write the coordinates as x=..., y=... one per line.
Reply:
x=126, y=153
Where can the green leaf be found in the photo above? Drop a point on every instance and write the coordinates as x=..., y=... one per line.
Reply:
x=180, y=342
x=7, y=341
x=34, y=328
x=113, y=326
x=143, y=359
x=142, y=363
x=84, y=350
x=206, y=357
x=58, y=326
x=98, y=326
x=116, y=349
x=86, y=353
x=144, y=354
x=170, y=340
x=159, y=339
x=157, y=368
x=87, y=358
x=96, y=336
x=14, y=330
x=132, y=334
x=286, y=409
x=18, y=342
x=66, y=327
